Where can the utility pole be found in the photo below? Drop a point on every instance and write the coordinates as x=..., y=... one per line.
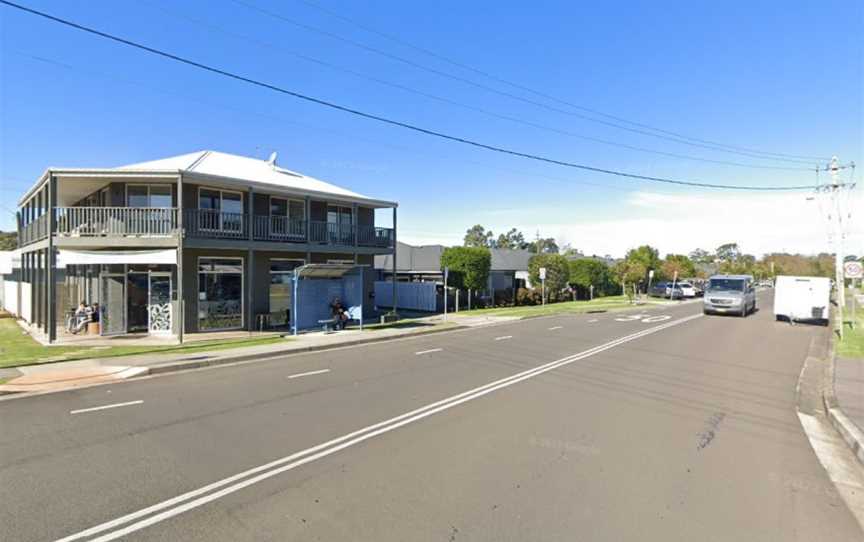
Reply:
x=836, y=190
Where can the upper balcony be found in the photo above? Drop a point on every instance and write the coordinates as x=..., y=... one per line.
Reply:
x=160, y=222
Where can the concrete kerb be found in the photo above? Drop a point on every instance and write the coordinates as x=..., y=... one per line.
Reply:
x=851, y=434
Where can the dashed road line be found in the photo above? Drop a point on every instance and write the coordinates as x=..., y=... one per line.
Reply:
x=420, y=353
x=310, y=373
x=105, y=407
x=156, y=513
x=553, y=328
x=503, y=337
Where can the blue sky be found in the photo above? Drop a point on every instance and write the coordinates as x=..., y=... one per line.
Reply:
x=776, y=76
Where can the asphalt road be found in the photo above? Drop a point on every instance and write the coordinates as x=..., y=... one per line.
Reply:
x=671, y=426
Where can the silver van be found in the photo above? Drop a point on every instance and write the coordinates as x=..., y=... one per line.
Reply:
x=733, y=294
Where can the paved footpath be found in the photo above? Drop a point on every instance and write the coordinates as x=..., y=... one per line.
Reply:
x=668, y=426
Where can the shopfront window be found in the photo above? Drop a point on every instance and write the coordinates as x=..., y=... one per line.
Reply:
x=220, y=293
x=281, y=290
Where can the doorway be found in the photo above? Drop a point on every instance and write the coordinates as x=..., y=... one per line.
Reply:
x=137, y=290
x=136, y=302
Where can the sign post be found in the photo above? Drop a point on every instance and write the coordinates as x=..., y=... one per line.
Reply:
x=674, y=280
x=853, y=270
x=543, y=285
x=446, y=272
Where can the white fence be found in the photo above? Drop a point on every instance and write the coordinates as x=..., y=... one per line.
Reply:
x=418, y=296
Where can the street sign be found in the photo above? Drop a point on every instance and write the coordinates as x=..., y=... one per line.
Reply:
x=650, y=274
x=853, y=270
x=542, y=273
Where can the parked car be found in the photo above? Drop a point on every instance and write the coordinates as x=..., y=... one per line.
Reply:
x=687, y=289
x=733, y=294
x=658, y=289
x=665, y=289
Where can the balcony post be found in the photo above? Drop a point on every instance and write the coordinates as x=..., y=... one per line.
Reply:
x=356, y=228
x=308, y=220
x=51, y=262
x=394, y=261
x=181, y=312
x=250, y=264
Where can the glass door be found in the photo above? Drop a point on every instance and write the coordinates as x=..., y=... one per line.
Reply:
x=159, y=304
x=136, y=307
x=113, y=310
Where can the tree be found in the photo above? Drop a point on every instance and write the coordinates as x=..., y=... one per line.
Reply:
x=544, y=246
x=571, y=253
x=701, y=256
x=513, y=239
x=677, y=264
x=728, y=252
x=587, y=272
x=646, y=257
x=8, y=240
x=478, y=236
x=469, y=266
x=629, y=272
x=557, y=273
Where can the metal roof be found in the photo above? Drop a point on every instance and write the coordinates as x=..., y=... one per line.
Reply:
x=229, y=169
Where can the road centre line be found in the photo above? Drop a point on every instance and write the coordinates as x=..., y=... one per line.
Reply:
x=553, y=328
x=504, y=337
x=202, y=495
x=105, y=407
x=420, y=353
x=310, y=373
x=592, y=321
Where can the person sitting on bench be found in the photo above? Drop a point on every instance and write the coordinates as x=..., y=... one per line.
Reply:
x=340, y=316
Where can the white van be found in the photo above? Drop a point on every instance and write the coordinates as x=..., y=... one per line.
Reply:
x=802, y=298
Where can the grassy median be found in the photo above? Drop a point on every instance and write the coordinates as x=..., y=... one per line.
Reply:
x=852, y=345
x=18, y=348
x=610, y=303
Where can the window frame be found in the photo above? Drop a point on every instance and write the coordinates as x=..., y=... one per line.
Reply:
x=219, y=211
x=242, y=290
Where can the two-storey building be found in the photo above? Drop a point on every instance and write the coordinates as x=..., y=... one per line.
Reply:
x=199, y=242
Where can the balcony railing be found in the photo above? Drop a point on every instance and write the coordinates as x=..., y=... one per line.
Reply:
x=34, y=231
x=116, y=221
x=201, y=223
x=371, y=236
x=279, y=228
x=215, y=224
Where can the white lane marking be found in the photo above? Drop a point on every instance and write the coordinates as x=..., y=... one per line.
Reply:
x=294, y=460
x=105, y=407
x=503, y=337
x=592, y=321
x=655, y=319
x=420, y=353
x=553, y=328
x=310, y=373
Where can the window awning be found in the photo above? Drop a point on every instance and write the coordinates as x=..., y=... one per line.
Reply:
x=94, y=257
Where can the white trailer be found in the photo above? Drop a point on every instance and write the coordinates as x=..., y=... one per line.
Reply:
x=802, y=298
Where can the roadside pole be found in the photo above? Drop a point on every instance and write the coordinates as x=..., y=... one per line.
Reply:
x=672, y=291
x=446, y=272
x=543, y=285
x=591, y=293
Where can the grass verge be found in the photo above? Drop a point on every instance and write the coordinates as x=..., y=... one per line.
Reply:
x=852, y=345
x=18, y=348
x=600, y=304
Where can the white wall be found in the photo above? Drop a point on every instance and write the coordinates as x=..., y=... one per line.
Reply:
x=10, y=296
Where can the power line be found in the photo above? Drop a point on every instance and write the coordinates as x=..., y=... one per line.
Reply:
x=283, y=120
x=480, y=110
x=642, y=128
x=386, y=120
